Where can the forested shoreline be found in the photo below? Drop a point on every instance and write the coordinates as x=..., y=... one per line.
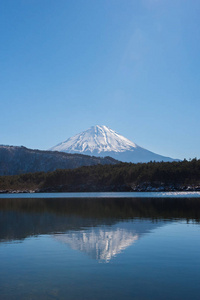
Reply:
x=152, y=176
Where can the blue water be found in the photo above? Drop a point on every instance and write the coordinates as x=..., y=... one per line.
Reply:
x=105, y=195
x=103, y=249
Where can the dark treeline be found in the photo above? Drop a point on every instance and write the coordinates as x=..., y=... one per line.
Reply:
x=120, y=177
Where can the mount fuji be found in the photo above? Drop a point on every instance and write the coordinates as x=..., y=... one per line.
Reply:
x=103, y=141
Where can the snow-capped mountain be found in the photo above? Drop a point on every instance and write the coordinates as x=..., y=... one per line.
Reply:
x=103, y=141
x=96, y=139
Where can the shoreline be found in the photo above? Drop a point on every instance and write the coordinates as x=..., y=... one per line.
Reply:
x=139, y=189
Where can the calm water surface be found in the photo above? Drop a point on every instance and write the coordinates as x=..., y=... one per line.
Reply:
x=106, y=195
x=100, y=248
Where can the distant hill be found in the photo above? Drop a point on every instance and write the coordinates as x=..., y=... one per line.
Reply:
x=103, y=141
x=19, y=160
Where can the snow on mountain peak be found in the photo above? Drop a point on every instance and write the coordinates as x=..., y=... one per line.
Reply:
x=103, y=141
x=96, y=139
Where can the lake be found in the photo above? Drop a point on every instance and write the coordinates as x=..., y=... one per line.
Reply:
x=105, y=195
x=100, y=246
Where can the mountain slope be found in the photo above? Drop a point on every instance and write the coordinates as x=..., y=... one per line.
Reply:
x=17, y=160
x=103, y=141
x=96, y=139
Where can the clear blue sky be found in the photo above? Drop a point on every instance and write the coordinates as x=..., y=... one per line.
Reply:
x=131, y=65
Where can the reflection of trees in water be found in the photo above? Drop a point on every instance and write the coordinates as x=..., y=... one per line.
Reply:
x=20, y=218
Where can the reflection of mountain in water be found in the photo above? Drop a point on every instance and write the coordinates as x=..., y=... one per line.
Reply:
x=99, y=243
x=105, y=242
x=102, y=218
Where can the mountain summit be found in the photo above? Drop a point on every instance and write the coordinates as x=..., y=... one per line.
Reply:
x=96, y=140
x=103, y=141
